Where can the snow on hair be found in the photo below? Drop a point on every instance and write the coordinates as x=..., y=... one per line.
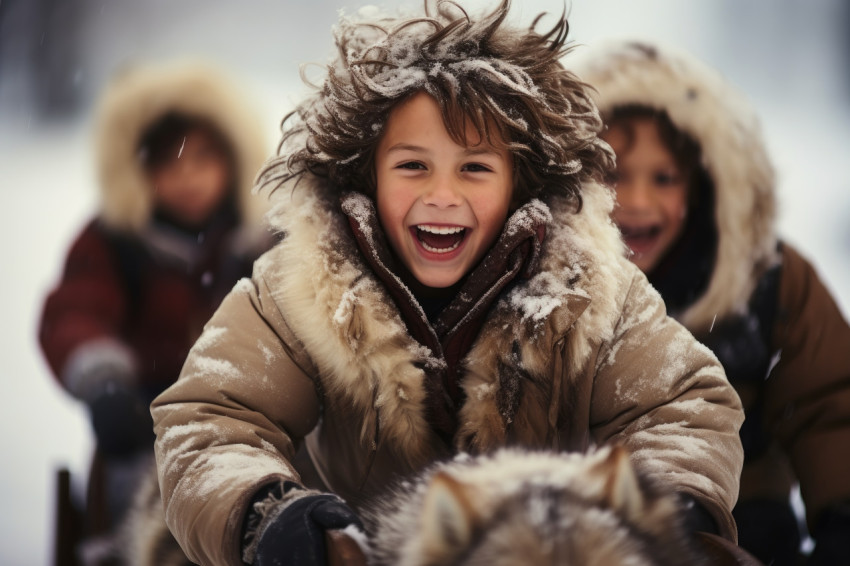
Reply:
x=481, y=72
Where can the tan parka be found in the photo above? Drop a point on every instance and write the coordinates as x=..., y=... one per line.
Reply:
x=314, y=350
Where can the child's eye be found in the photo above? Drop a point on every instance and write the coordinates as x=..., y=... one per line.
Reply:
x=666, y=178
x=413, y=165
x=207, y=153
x=476, y=168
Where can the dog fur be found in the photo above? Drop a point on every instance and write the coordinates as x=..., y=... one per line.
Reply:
x=515, y=508
x=144, y=538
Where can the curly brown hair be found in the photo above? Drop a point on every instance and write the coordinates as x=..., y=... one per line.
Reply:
x=480, y=71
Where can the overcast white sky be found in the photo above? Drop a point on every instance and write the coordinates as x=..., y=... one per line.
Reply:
x=788, y=56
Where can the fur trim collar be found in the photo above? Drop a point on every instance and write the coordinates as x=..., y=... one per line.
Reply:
x=358, y=341
x=700, y=102
x=138, y=97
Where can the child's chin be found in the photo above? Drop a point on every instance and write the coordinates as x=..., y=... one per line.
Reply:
x=645, y=261
x=438, y=283
x=437, y=278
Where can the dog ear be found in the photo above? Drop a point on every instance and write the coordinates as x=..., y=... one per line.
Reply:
x=622, y=492
x=448, y=518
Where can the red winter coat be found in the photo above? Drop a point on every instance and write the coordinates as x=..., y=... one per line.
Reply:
x=132, y=276
x=121, y=287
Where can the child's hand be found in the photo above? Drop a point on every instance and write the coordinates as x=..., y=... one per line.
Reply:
x=121, y=421
x=831, y=543
x=297, y=535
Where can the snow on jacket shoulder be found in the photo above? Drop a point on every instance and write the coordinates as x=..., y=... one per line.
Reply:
x=313, y=349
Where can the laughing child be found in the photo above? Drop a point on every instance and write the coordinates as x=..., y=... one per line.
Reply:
x=176, y=227
x=696, y=204
x=449, y=280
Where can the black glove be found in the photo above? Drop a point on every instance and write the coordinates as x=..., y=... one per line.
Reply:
x=121, y=421
x=768, y=530
x=697, y=517
x=297, y=535
x=832, y=537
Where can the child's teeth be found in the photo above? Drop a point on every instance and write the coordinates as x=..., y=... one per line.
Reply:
x=439, y=250
x=440, y=239
x=440, y=229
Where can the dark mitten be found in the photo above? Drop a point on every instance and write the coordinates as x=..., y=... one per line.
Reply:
x=832, y=537
x=121, y=421
x=102, y=373
x=297, y=534
x=705, y=539
x=697, y=517
x=738, y=343
x=768, y=530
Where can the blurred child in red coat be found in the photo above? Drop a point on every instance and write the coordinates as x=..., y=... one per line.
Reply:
x=177, y=226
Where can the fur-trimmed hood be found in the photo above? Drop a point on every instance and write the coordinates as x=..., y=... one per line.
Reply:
x=578, y=353
x=340, y=312
x=704, y=105
x=139, y=96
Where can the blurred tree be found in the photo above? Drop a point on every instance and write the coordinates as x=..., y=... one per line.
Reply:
x=40, y=66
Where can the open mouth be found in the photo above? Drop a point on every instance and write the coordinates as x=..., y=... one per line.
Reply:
x=440, y=239
x=640, y=238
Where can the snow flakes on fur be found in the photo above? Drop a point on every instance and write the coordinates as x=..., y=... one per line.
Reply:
x=525, y=507
x=571, y=296
x=364, y=354
x=345, y=319
x=408, y=62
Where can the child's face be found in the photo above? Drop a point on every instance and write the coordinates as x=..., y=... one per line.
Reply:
x=442, y=205
x=192, y=184
x=652, y=193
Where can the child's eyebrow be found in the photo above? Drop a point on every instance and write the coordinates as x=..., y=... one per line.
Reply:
x=406, y=147
x=477, y=150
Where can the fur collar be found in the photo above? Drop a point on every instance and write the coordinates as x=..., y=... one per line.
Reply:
x=357, y=340
x=700, y=102
x=141, y=95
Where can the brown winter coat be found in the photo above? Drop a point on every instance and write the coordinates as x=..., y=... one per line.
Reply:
x=806, y=398
x=314, y=349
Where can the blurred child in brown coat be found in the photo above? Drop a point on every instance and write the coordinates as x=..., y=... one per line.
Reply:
x=696, y=206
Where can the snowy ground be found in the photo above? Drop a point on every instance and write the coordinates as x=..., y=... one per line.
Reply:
x=46, y=194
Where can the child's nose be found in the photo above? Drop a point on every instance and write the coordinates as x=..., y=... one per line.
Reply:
x=634, y=195
x=188, y=170
x=442, y=192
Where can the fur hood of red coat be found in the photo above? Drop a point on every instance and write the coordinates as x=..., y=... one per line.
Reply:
x=141, y=95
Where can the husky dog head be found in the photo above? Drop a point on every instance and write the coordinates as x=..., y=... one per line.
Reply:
x=516, y=508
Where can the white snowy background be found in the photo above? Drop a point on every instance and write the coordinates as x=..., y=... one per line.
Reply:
x=791, y=57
